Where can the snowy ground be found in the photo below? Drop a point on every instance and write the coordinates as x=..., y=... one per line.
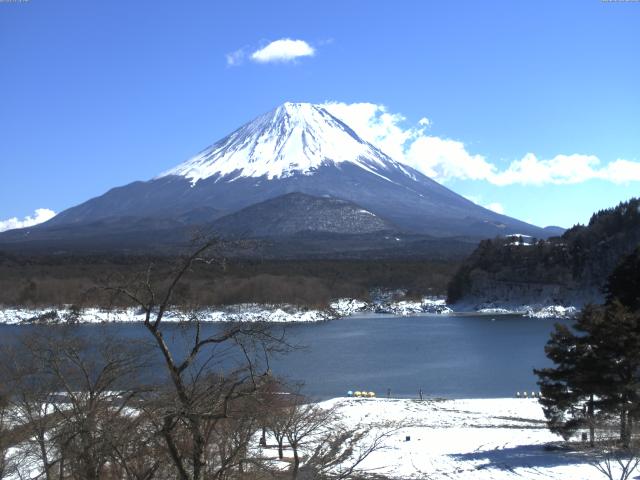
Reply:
x=471, y=439
x=536, y=311
x=245, y=313
x=273, y=313
x=464, y=439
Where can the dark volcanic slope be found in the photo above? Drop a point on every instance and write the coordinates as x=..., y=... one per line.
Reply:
x=412, y=203
x=295, y=213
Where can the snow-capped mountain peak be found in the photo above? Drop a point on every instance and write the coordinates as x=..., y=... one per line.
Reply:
x=294, y=138
x=297, y=148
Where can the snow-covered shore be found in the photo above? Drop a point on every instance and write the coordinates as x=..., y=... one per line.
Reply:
x=475, y=439
x=244, y=312
x=236, y=313
x=532, y=311
x=273, y=313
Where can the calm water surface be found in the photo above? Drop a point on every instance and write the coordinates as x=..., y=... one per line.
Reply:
x=447, y=356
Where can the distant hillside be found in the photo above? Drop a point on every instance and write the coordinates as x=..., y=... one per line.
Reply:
x=571, y=268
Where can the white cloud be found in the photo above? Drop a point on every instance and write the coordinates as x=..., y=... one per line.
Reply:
x=283, y=50
x=621, y=171
x=496, y=207
x=375, y=125
x=561, y=169
x=236, y=58
x=41, y=215
x=445, y=159
x=434, y=156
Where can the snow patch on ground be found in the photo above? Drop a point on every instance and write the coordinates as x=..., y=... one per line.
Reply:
x=348, y=306
x=236, y=313
x=475, y=439
x=533, y=311
x=553, y=311
x=408, y=307
x=389, y=303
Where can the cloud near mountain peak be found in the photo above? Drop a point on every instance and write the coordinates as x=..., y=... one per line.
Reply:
x=446, y=159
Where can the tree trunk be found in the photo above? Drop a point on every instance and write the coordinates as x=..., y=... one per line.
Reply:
x=623, y=426
x=42, y=444
x=592, y=427
x=296, y=462
x=280, y=449
x=198, y=449
x=173, y=450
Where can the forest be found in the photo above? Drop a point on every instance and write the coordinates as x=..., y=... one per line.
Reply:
x=561, y=269
x=54, y=280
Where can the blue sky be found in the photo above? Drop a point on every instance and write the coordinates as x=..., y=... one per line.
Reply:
x=533, y=106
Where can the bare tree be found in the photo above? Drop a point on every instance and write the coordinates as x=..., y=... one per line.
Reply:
x=5, y=436
x=277, y=426
x=303, y=425
x=136, y=451
x=30, y=408
x=277, y=400
x=67, y=393
x=322, y=445
x=614, y=460
x=340, y=453
x=196, y=399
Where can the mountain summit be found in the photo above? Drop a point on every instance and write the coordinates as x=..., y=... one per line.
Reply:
x=294, y=138
x=295, y=148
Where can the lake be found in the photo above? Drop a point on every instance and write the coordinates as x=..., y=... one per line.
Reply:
x=453, y=356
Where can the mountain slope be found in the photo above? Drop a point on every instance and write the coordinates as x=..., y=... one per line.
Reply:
x=295, y=213
x=294, y=148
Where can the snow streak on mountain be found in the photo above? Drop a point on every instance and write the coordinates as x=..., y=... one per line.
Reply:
x=293, y=138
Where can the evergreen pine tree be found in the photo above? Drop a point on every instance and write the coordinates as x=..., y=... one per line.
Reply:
x=570, y=388
x=615, y=340
x=596, y=373
x=624, y=282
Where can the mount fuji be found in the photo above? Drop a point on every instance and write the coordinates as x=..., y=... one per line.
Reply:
x=344, y=186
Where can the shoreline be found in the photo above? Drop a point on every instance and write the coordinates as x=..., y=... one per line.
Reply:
x=287, y=314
